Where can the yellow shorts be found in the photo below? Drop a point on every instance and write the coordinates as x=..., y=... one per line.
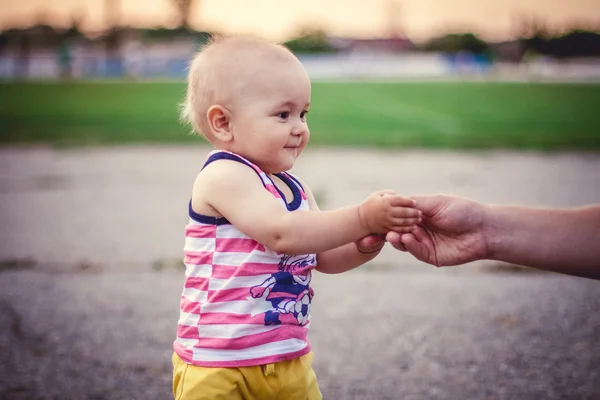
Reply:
x=285, y=380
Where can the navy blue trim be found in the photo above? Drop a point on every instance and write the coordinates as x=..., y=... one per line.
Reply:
x=226, y=156
x=295, y=180
x=297, y=200
x=207, y=219
x=286, y=178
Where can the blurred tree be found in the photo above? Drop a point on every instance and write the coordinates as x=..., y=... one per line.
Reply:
x=184, y=8
x=64, y=48
x=23, y=55
x=577, y=43
x=74, y=31
x=166, y=34
x=310, y=41
x=112, y=37
x=24, y=41
x=457, y=42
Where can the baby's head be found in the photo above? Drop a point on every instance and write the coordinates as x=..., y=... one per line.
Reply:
x=250, y=97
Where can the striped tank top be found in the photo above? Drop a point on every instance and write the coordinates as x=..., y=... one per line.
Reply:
x=242, y=303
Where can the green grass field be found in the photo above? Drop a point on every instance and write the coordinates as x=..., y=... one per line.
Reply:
x=438, y=115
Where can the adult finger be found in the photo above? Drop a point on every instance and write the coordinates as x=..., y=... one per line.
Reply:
x=428, y=204
x=393, y=238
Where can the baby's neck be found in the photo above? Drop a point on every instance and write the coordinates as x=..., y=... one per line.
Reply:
x=255, y=162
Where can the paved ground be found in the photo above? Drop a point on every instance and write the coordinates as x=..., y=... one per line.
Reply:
x=89, y=283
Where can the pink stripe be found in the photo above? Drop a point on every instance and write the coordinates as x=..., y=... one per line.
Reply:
x=197, y=283
x=223, y=295
x=303, y=195
x=254, y=167
x=226, y=271
x=283, y=295
x=188, y=306
x=251, y=340
x=186, y=355
x=201, y=231
x=225, y=318
x=231, y=271
x=246, y=269
x=198, y=257
x=254, y=361
x=238, y=245
x=259, y=319
x=187, y=332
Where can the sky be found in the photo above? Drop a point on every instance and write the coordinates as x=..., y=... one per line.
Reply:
x=278, y=20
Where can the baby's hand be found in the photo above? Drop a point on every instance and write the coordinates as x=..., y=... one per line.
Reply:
x=385, y=211
x=370, y=244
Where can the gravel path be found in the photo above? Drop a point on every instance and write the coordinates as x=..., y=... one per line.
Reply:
x=89, y=280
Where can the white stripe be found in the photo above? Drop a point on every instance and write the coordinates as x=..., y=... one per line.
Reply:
x=200, y=244
x=266, y=180
x=268, y=349
x=229, y=231
x=187, y=343
x=188, y=319
x=231, y=331
x=230, y=307
x=198, y=270
x=237, y=282
x=304, y=206
x=283, y=202
x=237, y=259
x=195, y=295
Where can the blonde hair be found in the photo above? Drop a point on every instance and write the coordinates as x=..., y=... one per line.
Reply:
x=217, y=74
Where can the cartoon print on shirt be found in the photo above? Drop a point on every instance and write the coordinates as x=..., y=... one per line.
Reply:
x=287, y=292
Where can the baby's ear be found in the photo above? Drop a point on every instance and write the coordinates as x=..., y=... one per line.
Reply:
x=219, y=122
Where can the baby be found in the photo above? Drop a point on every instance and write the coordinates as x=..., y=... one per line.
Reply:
x=255, y=231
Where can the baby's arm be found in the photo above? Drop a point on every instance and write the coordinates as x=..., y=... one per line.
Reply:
x=235, y=191
x=347, y=256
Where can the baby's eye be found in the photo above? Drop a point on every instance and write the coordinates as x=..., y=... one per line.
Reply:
x=284, y=115
x=303, y=114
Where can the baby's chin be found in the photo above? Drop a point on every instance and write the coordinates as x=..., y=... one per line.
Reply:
x=294, y=153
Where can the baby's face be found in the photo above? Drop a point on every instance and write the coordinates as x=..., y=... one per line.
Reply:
x=269, y=120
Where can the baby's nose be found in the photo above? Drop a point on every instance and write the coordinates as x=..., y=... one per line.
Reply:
x=299, y=129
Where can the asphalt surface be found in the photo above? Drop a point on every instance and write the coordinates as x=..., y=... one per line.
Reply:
x=90, y=280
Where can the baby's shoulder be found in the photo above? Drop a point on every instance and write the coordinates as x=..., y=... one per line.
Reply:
x=226, y=176
x=219, y=170
x=215, y=183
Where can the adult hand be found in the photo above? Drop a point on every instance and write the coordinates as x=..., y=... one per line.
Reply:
x=451, y=233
